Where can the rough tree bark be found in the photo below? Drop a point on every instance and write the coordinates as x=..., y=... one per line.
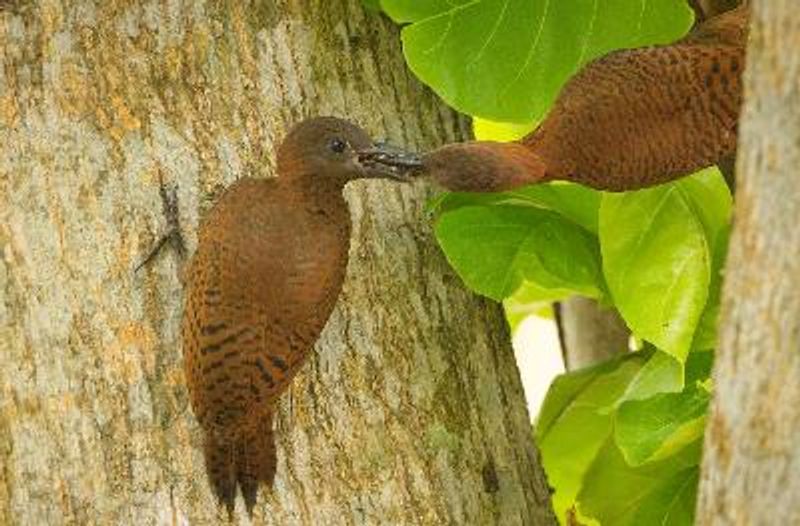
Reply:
x=752, y=460
x=589, y=333
x=412, y=411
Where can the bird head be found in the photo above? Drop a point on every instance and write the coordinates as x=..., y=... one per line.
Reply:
x=336, y=151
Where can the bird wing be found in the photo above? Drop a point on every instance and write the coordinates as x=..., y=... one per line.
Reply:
x=260, y=288
x=641, y=117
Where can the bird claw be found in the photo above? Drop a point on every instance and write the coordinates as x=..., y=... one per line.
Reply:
x=173, y=236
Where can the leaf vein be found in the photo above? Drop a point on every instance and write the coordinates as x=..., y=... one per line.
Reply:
x=531, y=52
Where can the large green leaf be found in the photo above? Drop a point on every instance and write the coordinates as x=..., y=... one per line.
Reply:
x=574, y=202
x=577, y=203
x=495, y=248
x=661, y=374
x=672, y=502
x=655, y=428
x=706, y=336
x=530, y=300
x=711, y=202
x=663, y=493
x=664, y=374
x=506, y=60
x=698, y=366
x=714, y=206
x=402, y=11
x=486, y=130
x=657, y=249
x=572, y=426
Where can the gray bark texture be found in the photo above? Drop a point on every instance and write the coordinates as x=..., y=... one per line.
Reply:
x=751, y=464
x=411, y=412
x=590, y=333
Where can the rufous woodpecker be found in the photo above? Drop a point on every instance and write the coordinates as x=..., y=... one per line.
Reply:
x=270, y=260
x=631, y=119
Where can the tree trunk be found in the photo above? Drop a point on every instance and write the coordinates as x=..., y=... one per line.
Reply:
x=589, y=333
x=412, y=410
x=751, y=459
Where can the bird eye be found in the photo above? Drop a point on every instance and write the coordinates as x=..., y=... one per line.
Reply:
x=337, y=145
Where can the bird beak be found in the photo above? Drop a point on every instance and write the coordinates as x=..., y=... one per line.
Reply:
x=388, y=162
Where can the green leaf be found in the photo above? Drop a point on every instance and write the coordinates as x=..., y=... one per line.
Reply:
x=577, y=203
x=449, y=201
x=495, y=248
x=706, y=336
x=698, y=366
x=654, y=429
x=661, y=374
x=657, y=254
x=530, y=300
x=571, y=427
x=373, y=5
x=711, y=201
x=402, y=11
x=658, y=493
x=506, y=60
x=664, y=374
x=574, y=202
x=486, y=130
x=672, y=502
x=714, y=207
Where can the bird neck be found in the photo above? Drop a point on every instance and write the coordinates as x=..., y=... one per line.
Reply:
x=318, y=193
x=485, y=166
x=557, y=158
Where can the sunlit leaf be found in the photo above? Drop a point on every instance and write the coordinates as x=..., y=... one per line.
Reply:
x=706, y=336
x=531, y=300
x=661, y=374
x=664, y=374
x=657, y=249
x=495, y=248
x=656, y=428
x=486, y=130
x=617, y=494
x=403, y=11
x=506, y=60
x=574, y=202
x=572, y=426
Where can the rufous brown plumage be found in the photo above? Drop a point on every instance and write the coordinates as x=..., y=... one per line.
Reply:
x=631, y=119
x=269, y=266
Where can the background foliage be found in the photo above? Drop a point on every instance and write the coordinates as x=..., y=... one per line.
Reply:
x=621, y=440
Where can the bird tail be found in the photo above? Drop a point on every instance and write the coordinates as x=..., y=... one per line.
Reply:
x=245, y=460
